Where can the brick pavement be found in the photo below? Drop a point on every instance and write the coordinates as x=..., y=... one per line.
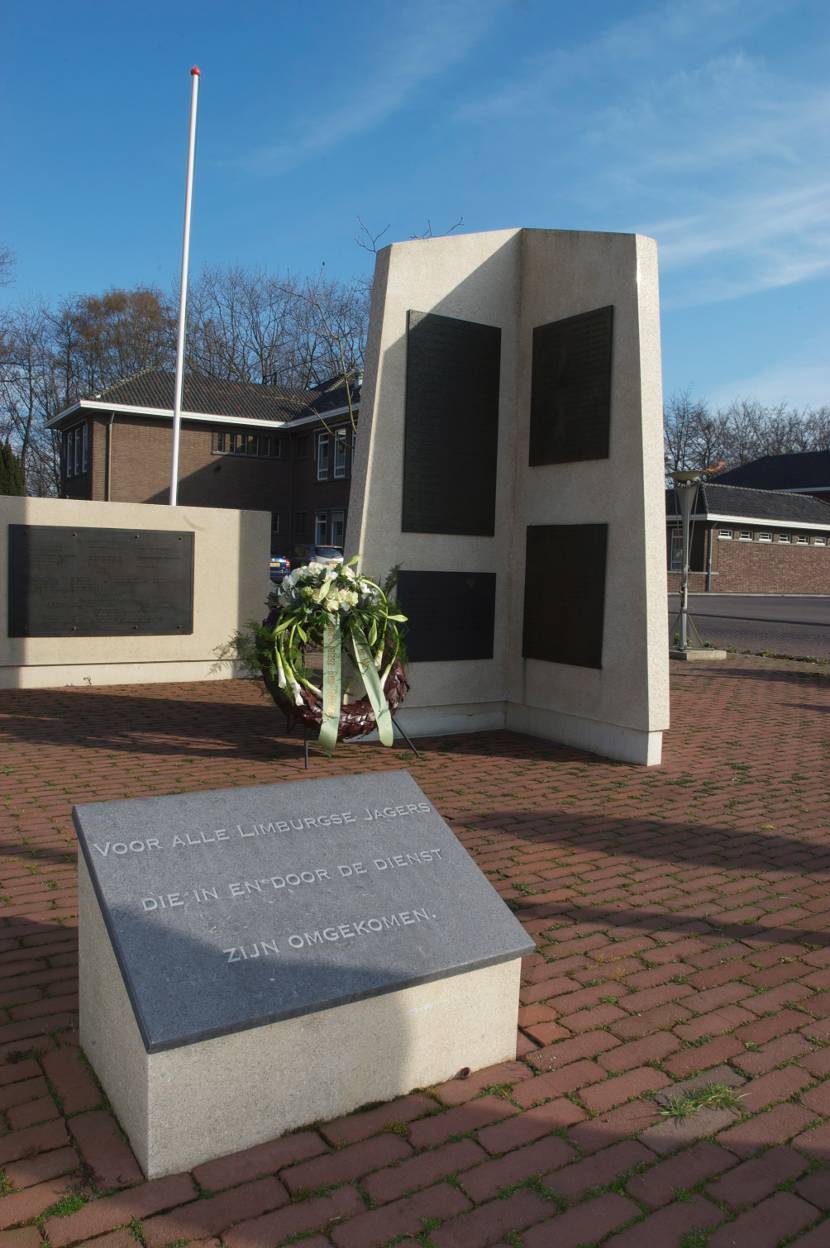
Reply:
x=682, y=916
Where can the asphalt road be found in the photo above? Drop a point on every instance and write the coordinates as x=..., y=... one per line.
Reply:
x=797, y=625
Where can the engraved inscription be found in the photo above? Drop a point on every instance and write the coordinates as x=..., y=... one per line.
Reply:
x=564, y=603
x=93, y=582
x=570, y=402
x=452, y=402
x=451, y=614
x=241, y=907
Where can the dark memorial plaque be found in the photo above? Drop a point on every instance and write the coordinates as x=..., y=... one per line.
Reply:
x=239, y=907
x=451, y=614
x=452, y=425
x=570, y=399
x=565, y=593
x=89, y=582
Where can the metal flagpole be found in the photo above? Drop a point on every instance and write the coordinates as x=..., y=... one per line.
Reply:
x=177, y=392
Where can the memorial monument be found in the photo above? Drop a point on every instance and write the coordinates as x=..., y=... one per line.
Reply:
x=253, y=960
x=510, y=461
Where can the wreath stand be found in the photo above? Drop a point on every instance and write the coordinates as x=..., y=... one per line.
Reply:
x=357, y=718
x=395, y=725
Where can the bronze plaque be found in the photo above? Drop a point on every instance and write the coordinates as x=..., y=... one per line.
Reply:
x=570, y=400
x=451, y=614
x=89, y=582
x=452, y=425
x=565, y=593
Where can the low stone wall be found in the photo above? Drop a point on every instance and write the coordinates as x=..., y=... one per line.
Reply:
x=230, y=585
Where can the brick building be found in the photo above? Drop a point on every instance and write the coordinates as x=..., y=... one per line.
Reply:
x=752, y=541
x=267, y=448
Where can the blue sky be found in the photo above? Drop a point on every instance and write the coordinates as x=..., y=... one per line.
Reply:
x=705, y=123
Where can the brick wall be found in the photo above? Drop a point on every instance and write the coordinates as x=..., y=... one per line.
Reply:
x=697, y=582
x=754, y=567
x=771, y=568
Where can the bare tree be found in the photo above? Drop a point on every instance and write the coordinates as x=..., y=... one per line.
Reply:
x=246, y=325
x=746, y=429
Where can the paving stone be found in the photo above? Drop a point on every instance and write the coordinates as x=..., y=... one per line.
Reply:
x=111, y=1211
x=262, y=1159
x=605, y=1167
x=392, y=1182
x=487, y=1180
x=815, y=1188
x=481, y=1226
x=587, y=1223
x=680, y=1172
x=667, y=1227
x=531, y=1125
x=767, y=1224
x=669, y=1134
x=349, y=1163
x=215, y=1214
x=774, y=1126
x=751, y=1181
x=104, y=1149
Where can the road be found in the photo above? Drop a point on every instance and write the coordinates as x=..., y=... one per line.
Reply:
x=797, y=625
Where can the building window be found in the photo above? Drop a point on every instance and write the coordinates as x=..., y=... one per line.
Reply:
x=783, y=537
x=744, y=535
x=340, y=453
x=76, y=451
x=338, y=528
x=320, y=528
x=322, y=457
x=819, y=541
x=802, y=540
x=724, y=535
x=764, y=537
x=252, y=445
x=676, y=552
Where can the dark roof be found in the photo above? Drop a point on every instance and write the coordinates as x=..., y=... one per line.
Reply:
x=153, y=388
x=737, y=502
x=803, y=471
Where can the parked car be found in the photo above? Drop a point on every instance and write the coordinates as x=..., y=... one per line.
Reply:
x=327, y=555
x=280, y=567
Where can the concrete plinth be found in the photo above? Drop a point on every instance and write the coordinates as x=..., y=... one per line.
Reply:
x=698, y=654
x=187, y=1105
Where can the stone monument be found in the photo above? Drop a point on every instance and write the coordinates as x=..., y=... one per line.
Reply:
x=253, y=960
x=510, y=461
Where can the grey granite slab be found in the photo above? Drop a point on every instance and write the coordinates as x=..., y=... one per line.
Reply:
x=232, y=908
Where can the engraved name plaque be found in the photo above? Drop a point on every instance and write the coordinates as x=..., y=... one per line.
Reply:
x=451, y=614
x=565, y=593
x=91, y=582
x=452, y=425
x=570, y=401
x=234, y=908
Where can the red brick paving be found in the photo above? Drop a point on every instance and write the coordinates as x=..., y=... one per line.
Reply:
x=682, y=916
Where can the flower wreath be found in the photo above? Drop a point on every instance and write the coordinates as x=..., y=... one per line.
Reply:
x=346, y=614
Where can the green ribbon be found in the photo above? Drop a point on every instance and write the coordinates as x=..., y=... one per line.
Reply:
x=371, y=679
x=331, y=685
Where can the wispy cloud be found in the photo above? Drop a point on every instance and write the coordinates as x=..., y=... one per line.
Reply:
x=702, y=144
x=428, y=38
x=797, y=382
x=635, y=44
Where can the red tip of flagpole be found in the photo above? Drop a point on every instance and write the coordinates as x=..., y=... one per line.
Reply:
x=196, y=72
